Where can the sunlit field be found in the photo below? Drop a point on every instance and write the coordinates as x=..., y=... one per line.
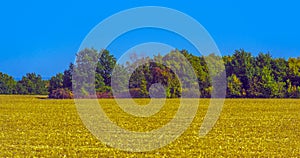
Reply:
x=36, y=126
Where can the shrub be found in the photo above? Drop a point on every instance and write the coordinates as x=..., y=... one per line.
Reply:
x=104, y=95
x=61, y=93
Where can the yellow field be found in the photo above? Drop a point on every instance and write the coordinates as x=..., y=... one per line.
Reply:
x=35, y=126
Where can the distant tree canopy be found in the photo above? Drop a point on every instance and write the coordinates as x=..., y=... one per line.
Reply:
x=248, y=76
x=7, y=84
x=60, y=85
x=29, y=84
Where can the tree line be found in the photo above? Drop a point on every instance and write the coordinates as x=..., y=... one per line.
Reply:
x=247, y=76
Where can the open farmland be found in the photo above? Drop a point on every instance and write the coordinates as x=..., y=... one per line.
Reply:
x=35, y=126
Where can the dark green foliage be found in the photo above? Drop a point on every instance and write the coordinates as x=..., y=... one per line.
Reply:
x=67, y=77
x=31, y=84
x=60, y=86
x=234, y=87
x=86, y=63
x=105, y=65
x=247, y=76
x=56, y=82
x=7, y=84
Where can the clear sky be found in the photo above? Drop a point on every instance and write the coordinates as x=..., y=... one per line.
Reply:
x=43, y=36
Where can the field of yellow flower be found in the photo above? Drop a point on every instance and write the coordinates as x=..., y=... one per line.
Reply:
x=37, y=126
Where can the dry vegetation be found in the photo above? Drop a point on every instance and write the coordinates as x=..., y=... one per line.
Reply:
x=34, y=126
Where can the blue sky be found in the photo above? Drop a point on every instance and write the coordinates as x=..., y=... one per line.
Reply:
x=43, y=36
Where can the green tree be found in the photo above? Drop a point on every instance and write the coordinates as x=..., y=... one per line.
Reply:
x=294, y=71
x=105, y=66
x=121, y=75
x=243, y=66
x=234, y=86
x=292, y=90
x=255, y=89
x=270, y=87
x=56, y=82
x=31, y=84
x=7, y=84
x=67, y=77
x=84, y=72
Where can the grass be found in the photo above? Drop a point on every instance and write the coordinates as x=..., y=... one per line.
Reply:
x=34, y=126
